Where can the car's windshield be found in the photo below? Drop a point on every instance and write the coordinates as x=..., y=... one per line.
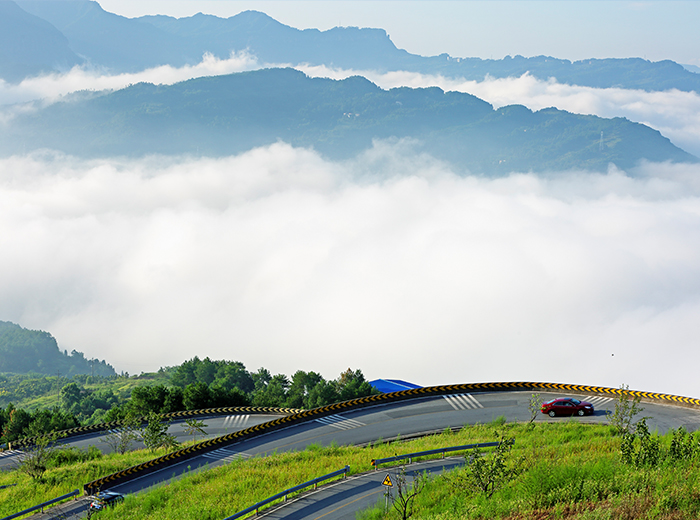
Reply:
x=576, y=401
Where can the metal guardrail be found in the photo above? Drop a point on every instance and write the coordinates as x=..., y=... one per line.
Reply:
x=409, y=456
x=42, y=505
x=289, y=491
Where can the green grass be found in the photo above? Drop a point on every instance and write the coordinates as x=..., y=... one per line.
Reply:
x=61, y=480
x=571, y=471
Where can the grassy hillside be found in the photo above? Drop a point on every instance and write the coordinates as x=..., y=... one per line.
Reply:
x=566, y=470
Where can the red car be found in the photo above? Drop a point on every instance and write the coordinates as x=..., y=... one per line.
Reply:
x=567, y=406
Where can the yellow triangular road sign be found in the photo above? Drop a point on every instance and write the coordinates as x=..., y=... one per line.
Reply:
x=387, y=481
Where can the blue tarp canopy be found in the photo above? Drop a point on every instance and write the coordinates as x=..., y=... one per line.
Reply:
x=386, y=386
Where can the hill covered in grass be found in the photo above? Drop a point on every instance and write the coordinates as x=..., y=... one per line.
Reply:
x=566, y=469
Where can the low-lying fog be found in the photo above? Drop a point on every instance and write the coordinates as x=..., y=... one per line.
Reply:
x=389, y=263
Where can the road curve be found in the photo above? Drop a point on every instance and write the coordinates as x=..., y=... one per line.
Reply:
x=385, y=421
x=403, y=418
x=342, y=500
x=215, y=426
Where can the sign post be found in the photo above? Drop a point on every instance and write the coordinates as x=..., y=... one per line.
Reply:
x=388, y=484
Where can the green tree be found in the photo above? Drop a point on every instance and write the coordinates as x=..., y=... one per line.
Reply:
x=70, y=396
x=185, y=374
x=322, y=394
x=352, y=384
x=534, y=406
x=120, y=439
x=274, y=393
x=147, y=399
x=193, y=427
x=622, y=419
x=233, y=374
x=196, y=396
x=300, y=388
x=488, y=473
x=155, y=434
x=261, y=379
x=34, y=460
x=205, y=371
x=174, y=401
x=220, y=397
x=17, y=422
x=47, y=421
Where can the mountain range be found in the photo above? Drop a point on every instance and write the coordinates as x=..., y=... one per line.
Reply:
x=229, y=114
x=69, y=32
x=216, y=116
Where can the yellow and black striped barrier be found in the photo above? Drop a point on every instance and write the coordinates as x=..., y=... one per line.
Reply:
x=93, y=428
x=303, y=416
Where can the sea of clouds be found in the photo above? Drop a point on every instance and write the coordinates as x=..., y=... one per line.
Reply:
x=390, y=262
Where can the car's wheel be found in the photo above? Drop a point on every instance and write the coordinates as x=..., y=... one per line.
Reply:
x=581, y=413
x=551, y=413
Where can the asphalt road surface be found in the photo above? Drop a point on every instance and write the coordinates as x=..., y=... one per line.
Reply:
x=343, y=499
x=406, y=418
x=216, y=426
x=389, y=421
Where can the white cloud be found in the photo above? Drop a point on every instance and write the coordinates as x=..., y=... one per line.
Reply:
x=52, y=86
x=389, y=263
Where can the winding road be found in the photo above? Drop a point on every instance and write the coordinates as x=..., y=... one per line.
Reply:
x=385, y=421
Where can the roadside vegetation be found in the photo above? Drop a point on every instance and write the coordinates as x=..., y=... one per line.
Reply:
x=566, y=469
x=54, y=403
x=44, y=390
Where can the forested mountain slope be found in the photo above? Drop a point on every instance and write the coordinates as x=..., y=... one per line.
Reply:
x=23, y=350
x=230, y=114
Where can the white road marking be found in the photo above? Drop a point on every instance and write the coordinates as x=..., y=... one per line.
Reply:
x=339, y=422
x=10, y=453
x=236, y=422
x=225, y=455
x=463, y=402
x=597, y=400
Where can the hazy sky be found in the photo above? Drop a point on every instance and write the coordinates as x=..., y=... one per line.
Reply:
x=388, y=262
x=571, y=29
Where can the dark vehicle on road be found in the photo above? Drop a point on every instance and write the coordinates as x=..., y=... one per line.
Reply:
x=567, y=406
x=103, y=499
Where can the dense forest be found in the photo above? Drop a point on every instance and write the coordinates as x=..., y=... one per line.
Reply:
x=23, y=350
x=195, y=384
